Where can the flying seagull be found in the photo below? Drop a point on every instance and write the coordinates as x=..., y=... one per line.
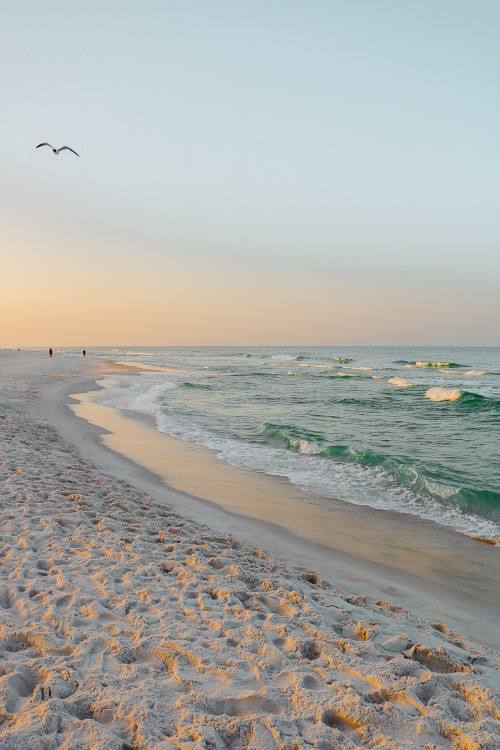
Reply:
x=58, y=150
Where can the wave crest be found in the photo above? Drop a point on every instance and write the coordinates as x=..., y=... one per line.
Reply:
x=402, y=382
x=308, y=443
x=443, y=394
x=429, y=364
x=467, y=398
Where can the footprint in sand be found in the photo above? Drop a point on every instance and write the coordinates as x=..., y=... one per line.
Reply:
x=64, y=602
x=311, y=683
x=252, y=704
x=435, y=659
x=311, y=650
x=15, y=687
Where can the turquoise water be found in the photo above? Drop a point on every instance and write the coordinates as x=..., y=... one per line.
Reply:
x=413, y=430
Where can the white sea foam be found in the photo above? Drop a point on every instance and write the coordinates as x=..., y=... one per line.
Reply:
x=443, y=394
x=305, y=446
x=348, y=367
x=401, y=382
x=320, y=367
x=149, y=401
x=440, y=490
x=141, y=393
x=429, y=364
x=467, y=372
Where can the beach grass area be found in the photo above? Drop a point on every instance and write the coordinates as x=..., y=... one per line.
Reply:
x=152, y=597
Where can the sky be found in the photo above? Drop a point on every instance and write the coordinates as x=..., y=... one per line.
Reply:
x=251, y=172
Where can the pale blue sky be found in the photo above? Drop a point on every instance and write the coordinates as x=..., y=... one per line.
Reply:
x=342, y=156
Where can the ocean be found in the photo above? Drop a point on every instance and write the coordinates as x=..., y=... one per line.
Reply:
x=411, y=430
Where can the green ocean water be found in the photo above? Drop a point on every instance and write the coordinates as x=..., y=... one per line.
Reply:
x=415, y=430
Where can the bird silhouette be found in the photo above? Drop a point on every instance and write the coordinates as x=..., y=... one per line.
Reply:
x=58, y=150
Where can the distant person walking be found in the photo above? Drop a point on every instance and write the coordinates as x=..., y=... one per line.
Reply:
x=50, y=351
x=84, y=352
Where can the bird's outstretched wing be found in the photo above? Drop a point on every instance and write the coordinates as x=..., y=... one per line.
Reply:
x=68, y=149
x=44, y=144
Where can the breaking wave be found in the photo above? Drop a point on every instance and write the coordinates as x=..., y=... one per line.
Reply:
x=443, y=394
x=406, y=363
x=467, y=398
x=401, y=382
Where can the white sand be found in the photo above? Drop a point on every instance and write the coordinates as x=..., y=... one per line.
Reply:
x=126, y=625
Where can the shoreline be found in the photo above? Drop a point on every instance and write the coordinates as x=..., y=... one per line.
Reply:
x=448, y=574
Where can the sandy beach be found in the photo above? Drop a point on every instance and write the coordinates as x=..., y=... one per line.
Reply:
x=145, y=604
